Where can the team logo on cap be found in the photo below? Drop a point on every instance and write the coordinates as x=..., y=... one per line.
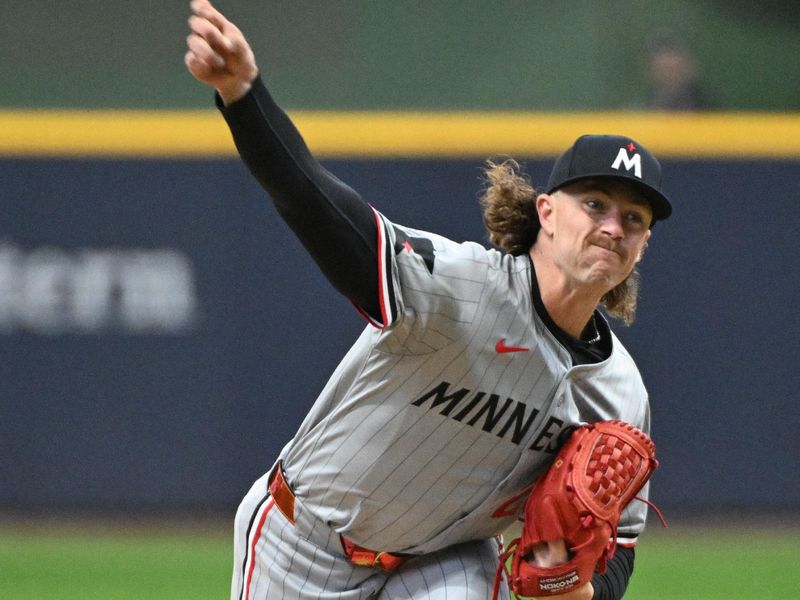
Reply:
x=629, y=162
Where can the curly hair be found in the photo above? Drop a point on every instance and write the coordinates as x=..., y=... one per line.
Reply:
x=509, y=207
x=509, y=214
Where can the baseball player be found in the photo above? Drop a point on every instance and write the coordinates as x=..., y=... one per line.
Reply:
x=475, y=366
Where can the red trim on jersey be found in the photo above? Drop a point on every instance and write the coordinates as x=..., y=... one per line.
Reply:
x=511, y=507
x=367, y=318
x=626, y=541
x=381, y=272
x=381, y=285
x=256, y=536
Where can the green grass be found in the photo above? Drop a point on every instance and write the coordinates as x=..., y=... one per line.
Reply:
x=114, y=566
x=117, y=563
x=761, y=564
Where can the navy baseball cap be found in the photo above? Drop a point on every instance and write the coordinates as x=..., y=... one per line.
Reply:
x=612, y=157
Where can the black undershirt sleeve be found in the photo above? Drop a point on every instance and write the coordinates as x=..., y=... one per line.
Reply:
x=612, y=584
x=331, y=220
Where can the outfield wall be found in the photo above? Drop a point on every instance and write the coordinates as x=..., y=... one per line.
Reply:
x=162, y=334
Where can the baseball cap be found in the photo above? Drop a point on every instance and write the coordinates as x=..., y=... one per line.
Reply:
x=612, y=157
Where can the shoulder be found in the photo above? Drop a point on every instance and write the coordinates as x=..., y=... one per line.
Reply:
x=439, y=255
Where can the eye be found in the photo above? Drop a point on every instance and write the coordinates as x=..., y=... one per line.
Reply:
x=594, y=203
x=633, y=217
x=636, y=219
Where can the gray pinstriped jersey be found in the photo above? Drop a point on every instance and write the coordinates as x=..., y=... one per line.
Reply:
x=426, y=435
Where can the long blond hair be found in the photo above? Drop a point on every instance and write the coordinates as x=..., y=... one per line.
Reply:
x=511, y=220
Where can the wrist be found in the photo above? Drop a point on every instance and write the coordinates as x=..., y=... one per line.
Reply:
x=235, y=91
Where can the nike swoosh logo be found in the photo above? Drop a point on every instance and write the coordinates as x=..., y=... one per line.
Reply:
x=501, y=347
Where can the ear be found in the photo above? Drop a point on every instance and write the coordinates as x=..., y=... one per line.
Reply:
x=544, y=208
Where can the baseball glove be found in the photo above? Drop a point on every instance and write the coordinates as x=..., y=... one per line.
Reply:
x=595, y=474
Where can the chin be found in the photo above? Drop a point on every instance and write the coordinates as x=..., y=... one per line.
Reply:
x=608, y=271
x=603, y=280
x=602, y=271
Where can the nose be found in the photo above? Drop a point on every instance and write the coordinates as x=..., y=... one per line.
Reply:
x=612, y=225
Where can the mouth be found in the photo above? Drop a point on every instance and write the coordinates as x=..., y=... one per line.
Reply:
x=608, y=249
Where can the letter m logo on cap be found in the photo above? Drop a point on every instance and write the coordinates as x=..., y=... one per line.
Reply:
x=630, y=162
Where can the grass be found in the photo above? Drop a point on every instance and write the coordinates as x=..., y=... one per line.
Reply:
x=114, y=565
x=171, y=563
x=718, y=564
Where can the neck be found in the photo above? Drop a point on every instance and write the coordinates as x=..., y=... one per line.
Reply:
x=570, y=306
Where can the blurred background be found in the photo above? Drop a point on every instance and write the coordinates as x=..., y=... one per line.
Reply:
x=162, y=334
x=447, y=54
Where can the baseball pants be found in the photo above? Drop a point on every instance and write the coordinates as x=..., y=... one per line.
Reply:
x=277, y=560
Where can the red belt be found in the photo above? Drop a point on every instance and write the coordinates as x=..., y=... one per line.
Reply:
x=283, y=496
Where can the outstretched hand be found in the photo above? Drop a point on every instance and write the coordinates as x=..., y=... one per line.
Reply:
x=218, y=53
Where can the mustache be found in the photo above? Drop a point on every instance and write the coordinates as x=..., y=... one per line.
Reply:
x=612, y=246
x=607, y=244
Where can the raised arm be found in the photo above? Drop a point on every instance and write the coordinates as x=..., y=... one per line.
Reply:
x=336, y=227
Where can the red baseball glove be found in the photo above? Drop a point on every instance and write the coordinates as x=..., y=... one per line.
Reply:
x=596, y=473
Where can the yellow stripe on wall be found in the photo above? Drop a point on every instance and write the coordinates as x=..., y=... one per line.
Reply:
x=177, y=134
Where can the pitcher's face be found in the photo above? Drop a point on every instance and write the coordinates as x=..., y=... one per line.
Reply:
x=599, y=229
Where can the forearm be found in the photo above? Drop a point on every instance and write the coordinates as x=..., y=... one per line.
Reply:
x=612, y=584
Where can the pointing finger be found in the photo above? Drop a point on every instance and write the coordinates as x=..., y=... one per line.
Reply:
x=204, y=9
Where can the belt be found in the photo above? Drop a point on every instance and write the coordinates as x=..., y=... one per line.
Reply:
x=283, y=496
x=281, y=492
